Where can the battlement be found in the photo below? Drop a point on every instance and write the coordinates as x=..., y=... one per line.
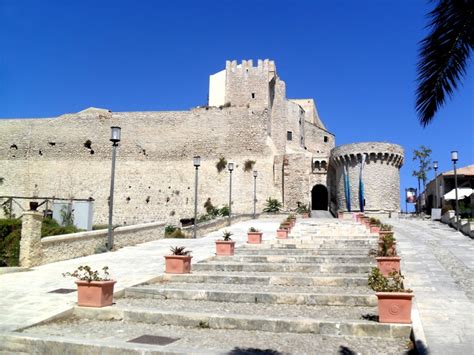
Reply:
x=246, y=66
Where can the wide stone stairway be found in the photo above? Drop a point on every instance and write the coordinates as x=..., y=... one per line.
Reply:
x=306, y=294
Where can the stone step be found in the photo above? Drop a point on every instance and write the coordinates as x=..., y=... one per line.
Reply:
x=265, y=279
x=293, y=259
x=300, y=251
x=282, y=267
x=112, y=336
x=337, y=237
x=248, y=296
x=233, y=287
x=321, y=312
x=274, y=324
x=267, y=250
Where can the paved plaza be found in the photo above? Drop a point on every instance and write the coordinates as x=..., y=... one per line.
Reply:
x=273, y=296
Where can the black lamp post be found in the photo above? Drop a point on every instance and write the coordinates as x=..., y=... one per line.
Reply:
x=230, y=167
x=115, y=139
x=454, y=158
x=197, y=163
x=435, y=167
x=255, y=174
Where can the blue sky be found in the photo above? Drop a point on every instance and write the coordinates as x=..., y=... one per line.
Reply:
x=357, y=59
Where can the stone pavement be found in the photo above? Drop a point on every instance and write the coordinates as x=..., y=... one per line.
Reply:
x=438, y=264
x=303, y=295
x=24, y=297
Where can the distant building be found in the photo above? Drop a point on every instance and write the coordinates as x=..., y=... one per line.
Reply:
x=446, y=184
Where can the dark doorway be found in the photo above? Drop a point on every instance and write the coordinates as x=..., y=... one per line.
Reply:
x=319, y=198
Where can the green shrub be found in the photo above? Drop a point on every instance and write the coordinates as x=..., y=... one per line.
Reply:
x=51, y=227
x=224, y=211
x=10, y=234
x=99, y=226
x=380, y=283
x=221, y=164
x=273, y=205
x=248, y=165
x=173, y=232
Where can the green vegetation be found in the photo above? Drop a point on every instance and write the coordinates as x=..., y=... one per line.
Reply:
x=85, y=273
x=221, y=164
x=380, y=283
x=173, y=232
x=10, y=235
x=226, y=236
x=180, y=251
x=213, y=212
x=248, y=165
x=273, y=205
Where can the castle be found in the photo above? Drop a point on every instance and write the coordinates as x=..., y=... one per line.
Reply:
x=248, y=121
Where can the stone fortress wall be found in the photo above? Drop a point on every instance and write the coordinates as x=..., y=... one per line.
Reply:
x=381, y=175
x=70, y=156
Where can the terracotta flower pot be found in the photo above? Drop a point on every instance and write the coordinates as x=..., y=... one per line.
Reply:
x=305, y=215
x=95, y=293
x=388, y=264
x=340, y=215
x=282, y=233
x=254, y=237
x=225, y=247
x=394, y=307
x=374, y=228
x=178, y=264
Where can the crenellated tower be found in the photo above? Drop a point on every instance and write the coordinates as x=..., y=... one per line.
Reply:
x=375, y=164
x=244, y=84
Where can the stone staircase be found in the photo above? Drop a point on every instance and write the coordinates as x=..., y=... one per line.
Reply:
x=304, y=295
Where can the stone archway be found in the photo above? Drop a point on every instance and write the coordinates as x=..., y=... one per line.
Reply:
x=319, y=197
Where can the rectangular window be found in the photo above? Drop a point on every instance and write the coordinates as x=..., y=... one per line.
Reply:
x=325, y=139
x=253, y=95
x=289, y=136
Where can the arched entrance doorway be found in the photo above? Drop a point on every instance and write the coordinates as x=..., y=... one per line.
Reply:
x=319, y=198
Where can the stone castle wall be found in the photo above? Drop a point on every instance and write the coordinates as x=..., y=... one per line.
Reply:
x=381, y=175
x=154, y=172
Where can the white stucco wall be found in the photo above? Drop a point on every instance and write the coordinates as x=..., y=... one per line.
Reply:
x=217, y=89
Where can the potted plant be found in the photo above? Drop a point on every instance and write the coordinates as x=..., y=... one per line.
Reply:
x=254, y=236
x=179, y=262
x=292, y=219
x=93, y=288
x=226, y=245
x=385, y=229
x=387, y=259
x=374, y=225
x=394, y=301
x=282, y=232
x=303, y=211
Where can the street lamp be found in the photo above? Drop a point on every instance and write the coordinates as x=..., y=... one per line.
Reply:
x=230, y=167
x=255, y=174
x=115, y=139
x=454, y=158
x=197, y=163
x=435, y=166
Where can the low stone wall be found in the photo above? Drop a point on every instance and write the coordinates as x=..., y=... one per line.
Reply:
x=70, y=246
x=215, y=224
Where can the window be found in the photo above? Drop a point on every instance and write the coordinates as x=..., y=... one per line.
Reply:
x=325, y=139
x=289, y=136
x=253, y=95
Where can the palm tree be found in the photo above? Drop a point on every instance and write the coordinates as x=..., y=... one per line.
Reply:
x=444, y=55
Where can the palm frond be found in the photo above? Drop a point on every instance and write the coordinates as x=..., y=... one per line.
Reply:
x=444, y=55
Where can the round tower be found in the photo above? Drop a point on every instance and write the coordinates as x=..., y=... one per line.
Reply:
x=368, y=176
